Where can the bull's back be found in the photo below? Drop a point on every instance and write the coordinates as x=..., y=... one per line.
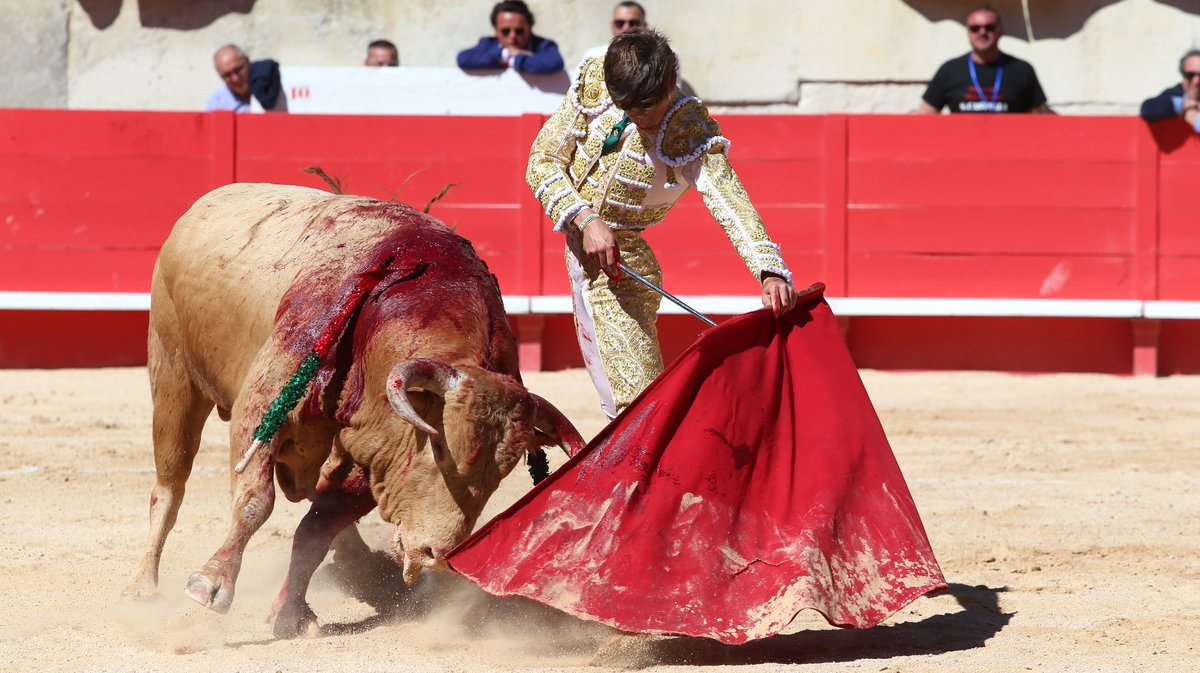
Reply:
x=234, y=254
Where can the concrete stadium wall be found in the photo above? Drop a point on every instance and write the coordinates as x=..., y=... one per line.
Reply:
x=813, y=56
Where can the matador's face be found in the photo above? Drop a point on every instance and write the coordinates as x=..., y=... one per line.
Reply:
x=649, y=119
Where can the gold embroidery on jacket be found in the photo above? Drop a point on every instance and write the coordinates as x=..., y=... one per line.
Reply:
x=587, y=152
x=547, y=170
x=590, y=95
x=730, y=205
x=687, y=132
x=567, y=173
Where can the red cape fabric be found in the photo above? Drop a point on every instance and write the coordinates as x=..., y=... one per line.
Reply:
x=750, y=481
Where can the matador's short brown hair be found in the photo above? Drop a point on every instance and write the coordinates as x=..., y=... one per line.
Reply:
x=640, y=69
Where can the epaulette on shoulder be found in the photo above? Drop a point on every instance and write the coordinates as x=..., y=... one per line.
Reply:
x=687, y=132
x=589, y=94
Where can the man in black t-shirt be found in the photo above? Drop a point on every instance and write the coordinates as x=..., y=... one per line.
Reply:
x=985, y=79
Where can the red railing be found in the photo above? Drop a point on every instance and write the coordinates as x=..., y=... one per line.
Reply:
x=1032, y=207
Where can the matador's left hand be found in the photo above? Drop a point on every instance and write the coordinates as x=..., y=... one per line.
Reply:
x=778, y=295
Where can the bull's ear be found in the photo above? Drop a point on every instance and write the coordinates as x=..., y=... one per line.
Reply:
x=432, y=375
x=551, y=423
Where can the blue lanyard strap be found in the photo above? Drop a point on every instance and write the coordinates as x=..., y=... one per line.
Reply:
x=995, y=86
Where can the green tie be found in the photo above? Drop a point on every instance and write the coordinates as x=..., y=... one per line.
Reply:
x=614, y=136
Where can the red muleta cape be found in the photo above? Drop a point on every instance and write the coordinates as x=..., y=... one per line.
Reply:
x=750, y=481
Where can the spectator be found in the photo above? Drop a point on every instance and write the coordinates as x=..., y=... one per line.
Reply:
x=626, y=16
x=382, y=53
x=514, y=45
x=1181, y=100
x=985, y=79
x=618, y=154
x=242, y=79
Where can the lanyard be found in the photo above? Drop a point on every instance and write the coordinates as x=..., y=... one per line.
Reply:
x=995, y=87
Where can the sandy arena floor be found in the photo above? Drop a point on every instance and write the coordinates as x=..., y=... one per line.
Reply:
x=1065, y=511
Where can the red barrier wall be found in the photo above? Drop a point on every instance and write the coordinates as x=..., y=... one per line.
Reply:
x=988, y=207
x=52, y=339
x=875, y=206
x=86, y=198
x=412, y=159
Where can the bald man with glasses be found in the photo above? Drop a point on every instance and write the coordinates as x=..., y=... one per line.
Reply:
x=985, y=80
x=1181, y=100
x=242, y=79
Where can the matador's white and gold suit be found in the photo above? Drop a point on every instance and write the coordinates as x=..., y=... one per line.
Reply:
x=632, y=187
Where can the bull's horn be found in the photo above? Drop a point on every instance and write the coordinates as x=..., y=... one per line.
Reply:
x=432, y=375
x=548, y=417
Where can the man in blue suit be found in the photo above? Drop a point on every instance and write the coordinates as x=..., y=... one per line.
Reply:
x=514, y=44
x=1181, y=100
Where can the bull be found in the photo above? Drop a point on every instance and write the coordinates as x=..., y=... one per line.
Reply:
x=416, y=406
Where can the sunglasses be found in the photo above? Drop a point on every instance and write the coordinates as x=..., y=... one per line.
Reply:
x=981, y=27
x=621, y=23
x=1190, y=75
x=511, y=31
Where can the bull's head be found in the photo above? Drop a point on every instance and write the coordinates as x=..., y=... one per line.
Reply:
x=475, y=426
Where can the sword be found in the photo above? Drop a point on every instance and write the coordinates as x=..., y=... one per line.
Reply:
x=644, y=281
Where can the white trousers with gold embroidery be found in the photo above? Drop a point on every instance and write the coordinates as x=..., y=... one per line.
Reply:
x=615, y=322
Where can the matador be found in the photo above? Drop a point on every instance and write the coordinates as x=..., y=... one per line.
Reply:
x=588, y=158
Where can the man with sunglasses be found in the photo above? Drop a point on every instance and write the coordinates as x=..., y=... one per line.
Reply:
x=627, y=16
x=514, y=44
x=1181, y=100
x=620, y=152
x=985, y=79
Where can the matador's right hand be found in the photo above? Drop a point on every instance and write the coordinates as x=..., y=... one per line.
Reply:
x=601, y=246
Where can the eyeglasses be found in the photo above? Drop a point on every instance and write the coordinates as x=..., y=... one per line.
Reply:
x=235, y=71
x=632, y=23
x=1190, y=75
x=512, y=31
x=981, y=27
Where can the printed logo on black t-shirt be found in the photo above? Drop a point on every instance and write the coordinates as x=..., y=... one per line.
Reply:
x=976, y=105
x=972, y=103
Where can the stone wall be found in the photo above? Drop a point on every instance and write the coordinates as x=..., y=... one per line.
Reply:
x=1093, y=56
x=33, y=48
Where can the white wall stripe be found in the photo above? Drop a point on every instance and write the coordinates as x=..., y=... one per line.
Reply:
x=715, y=304
x=75, y=301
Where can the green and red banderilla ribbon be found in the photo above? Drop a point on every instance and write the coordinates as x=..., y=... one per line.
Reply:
x=296, y=386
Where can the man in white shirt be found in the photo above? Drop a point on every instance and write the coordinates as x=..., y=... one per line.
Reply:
x=627, y=16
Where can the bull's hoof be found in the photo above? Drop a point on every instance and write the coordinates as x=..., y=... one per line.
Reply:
x=210, y=590
x=139, y=590
x=293, y=620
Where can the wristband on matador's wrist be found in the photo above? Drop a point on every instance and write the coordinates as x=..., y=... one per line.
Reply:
x=588, y=220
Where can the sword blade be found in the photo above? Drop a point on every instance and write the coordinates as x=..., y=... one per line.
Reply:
x=650, y=284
